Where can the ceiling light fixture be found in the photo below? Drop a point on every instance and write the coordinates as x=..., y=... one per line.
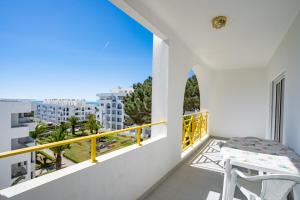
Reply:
x=219, y=22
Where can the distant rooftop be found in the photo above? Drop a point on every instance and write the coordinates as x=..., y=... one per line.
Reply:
x=68, y=102
x=117, y=91
x=122, y=90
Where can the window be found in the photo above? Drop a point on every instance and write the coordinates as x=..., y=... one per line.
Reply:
x=113, y=126
x=108, y=105
x=119, y=112
x=114, y=105
x=119, y=106
x=119, y=119
x=119, y=127
x=113, y=119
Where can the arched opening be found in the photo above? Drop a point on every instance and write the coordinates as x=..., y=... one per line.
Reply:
x=194, y=121
x=191, y=102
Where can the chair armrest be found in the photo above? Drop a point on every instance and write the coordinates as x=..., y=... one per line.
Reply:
x=295, y=178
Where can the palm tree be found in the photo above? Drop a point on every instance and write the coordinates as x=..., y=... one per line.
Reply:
x=44, y=162
x=39, y=128
x=96, y=126
x=91, y=123
x=73, y=121
x=59, y=134
x=82, y=131
x=64, y=126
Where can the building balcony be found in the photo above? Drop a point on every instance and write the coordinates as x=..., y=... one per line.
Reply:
x=22, y=120
x=25, y=120
x=23, y=142
x=18, y=169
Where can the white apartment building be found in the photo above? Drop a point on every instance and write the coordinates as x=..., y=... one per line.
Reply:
x=111, y=108
x=16, y=120
x=60, y=110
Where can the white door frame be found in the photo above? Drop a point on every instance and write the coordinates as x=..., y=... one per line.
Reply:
x=280, y=79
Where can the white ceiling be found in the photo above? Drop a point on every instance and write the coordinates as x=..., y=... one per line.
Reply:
x=255, y=27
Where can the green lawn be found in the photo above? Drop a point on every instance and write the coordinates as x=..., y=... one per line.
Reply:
x=80, y=151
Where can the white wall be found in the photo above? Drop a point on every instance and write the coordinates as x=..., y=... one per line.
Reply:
x=287, y=59
x=239, y=103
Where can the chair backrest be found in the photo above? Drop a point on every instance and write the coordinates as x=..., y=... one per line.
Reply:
x=274, y=186
x=276, y=189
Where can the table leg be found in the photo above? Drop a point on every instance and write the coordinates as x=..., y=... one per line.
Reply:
x=227, y=179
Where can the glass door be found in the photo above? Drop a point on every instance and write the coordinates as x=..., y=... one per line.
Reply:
x=277, y=108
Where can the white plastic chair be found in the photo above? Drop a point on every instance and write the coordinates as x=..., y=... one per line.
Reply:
x=262, y=187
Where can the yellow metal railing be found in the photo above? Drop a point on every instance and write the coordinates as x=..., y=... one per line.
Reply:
x=92, y=138
x=194, y=127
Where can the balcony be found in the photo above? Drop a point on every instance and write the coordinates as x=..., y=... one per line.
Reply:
x=237, y=67
x=23, y=142
x=194, y=133
x=18, y=169
x=22, y=120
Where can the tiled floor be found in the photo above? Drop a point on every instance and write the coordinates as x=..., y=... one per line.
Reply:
x=209, y=156
x=199, y=178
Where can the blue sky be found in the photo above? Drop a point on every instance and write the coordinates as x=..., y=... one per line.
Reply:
x=69, y=49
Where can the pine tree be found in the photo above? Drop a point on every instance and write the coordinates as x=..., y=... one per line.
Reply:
x=191, y=95
x=137, y=105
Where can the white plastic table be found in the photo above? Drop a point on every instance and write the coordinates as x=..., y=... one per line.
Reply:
x=257, y=154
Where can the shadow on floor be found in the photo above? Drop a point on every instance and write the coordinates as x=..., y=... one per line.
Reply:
x=193, y=183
